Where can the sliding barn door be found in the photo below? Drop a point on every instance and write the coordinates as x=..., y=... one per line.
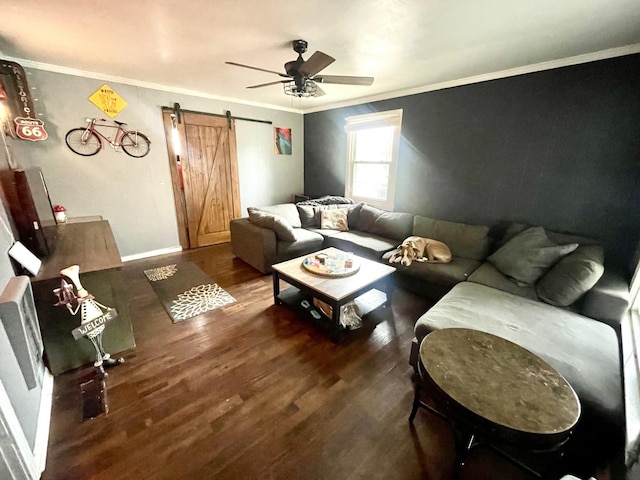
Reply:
x=206, y=177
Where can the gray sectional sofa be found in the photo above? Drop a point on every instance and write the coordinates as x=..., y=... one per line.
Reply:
x=372, y=233
x=570, y=315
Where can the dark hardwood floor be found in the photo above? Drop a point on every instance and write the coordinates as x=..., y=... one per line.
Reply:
x=252, y=391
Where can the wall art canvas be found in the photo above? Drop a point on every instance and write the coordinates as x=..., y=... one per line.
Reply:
x=282, y=141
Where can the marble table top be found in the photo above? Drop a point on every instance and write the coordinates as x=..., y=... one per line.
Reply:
x=500, y=382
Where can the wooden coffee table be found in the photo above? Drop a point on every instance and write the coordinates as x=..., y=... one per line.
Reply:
x=494, y=390
x=334, y=291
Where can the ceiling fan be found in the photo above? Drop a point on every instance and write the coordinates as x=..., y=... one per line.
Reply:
x=302, y=75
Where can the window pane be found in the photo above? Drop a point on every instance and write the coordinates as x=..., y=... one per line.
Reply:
x=371, y=180
x=374, y=145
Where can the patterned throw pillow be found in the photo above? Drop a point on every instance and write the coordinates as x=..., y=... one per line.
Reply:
x=334, y=220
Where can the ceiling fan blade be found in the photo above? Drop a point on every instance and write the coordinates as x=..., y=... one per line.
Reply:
x=344, y=80
x=316, y=62
x=270, y=83
x=256, y=68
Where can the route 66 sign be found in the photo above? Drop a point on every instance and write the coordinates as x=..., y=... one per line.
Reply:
x=30, y=129
x=20, y=104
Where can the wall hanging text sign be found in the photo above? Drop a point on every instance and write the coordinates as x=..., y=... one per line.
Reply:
x=30, y=129
x=107, y=100
x=94, y=324
x=20, y=105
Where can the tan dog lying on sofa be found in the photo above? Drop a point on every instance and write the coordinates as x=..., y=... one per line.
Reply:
x=421, y=249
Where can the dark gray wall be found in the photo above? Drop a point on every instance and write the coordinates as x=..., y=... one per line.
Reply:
x=559, y=148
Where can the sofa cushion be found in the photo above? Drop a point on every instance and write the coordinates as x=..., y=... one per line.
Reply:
x=361, y=243
x=280, y=226
x=334, y=220
x=392, y=225
x=306, y=242
x=354, y=213
x=583, y=350
x=527, y=256
x=468, y=241
x=366, y=217
x=556, y=237
x=572, y=276
x=487, y=274
x=324, y=232
x=307, y=215
x=609, y=299
x=288, y=211
x=310, y=214
x=445, y=274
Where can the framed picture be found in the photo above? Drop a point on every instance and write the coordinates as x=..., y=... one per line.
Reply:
x=282, y=141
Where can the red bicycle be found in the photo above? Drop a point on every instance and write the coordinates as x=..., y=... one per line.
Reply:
x=87, y=141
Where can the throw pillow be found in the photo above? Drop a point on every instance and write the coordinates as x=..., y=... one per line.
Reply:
x=288, y=211
x=394, y=225
x=528, y=255
x=572, y=276
x=318, y=209
x=281, y=227
x=307, y=215
x=464, y=240
x=353, y=213
x=366, y=217
x=334, y=220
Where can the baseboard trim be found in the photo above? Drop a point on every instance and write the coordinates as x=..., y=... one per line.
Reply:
x=151, y=253
x=44, y=422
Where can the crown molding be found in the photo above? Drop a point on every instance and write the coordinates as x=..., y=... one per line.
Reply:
x=138, y=83
x=512, y=72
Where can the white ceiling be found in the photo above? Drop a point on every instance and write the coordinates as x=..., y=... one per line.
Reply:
x=407, y=45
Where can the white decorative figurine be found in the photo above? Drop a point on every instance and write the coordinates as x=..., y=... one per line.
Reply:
x=93, y=315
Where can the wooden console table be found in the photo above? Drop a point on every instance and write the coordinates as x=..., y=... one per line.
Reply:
x=90, y=245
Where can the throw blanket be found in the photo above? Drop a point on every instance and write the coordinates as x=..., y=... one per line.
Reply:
x=420, y=249
x=326, y=200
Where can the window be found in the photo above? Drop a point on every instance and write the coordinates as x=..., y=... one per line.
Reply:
x=631, y=369
x=372, y=157
x=635, y=290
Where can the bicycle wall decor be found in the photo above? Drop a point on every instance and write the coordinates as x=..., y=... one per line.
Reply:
x=87, y=141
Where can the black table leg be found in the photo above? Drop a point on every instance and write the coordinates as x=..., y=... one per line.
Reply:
x=335, y=322
x=276, y=288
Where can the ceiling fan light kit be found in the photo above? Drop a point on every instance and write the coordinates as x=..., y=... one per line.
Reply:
x=301, y=74
x=307, y=89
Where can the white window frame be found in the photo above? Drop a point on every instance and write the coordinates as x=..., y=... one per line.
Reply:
x=635, y=290
x=631, y=371
x=367, y=121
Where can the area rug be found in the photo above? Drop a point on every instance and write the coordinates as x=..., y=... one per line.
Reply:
x=186, y=291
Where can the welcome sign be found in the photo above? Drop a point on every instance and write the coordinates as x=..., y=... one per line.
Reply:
x=86, y=328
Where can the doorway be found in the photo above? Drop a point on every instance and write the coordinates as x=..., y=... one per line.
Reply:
x=204, y=174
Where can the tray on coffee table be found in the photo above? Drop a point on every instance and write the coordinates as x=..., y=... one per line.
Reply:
x=334, y=265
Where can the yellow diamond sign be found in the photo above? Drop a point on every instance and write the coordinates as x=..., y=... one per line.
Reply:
x=107, y=100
